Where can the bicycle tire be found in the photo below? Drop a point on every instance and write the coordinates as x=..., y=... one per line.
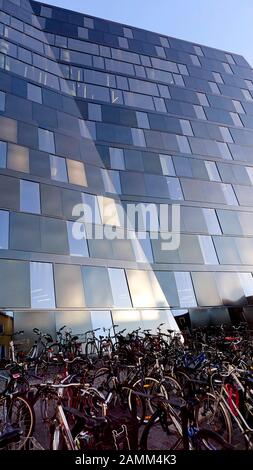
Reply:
x=21, y=416
x=211, y=414
x=142, y=385
x=212, y=437
x=163, y=431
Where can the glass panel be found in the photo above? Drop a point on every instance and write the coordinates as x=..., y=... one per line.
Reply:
x=4, y=230
x=138, y=137
x=183, y=144
x=58, y=168
x=175, y=190
x=94, y=112
x=76, y=172
x=77, y=247
x=142, y=249
x=3, y=154
x=108, y=211
x=202, y=99
x=34, y=93
x=238, y=106
x=178, y=80
x=200, y=114
x=229, y=194
x=116, y=158
x=123, y=42
x=100, y=319
x=145, y=289
x=14, y=273
x=247, y=95
x=227, y=68
x=185, y=289
x=142, y=120
x=68, y=286
x=211, y=221
x=111, y=181
x=186, y=127
x=120, y=292
x=236, y=119
x=46, y=141
x=226, y=134
x=195, y=60
x=167, y=165
x=212, y=171
x=217, y=77
x=214, y=88
x=29, y=197
x=94, y=276
x=224, y=150
x=207, y=248
x=18, y=158
x=198, y=50
x=206, y=289
x=42, y=285
x=93, y=214
x=230, y=59
x=128, y=33
x=246, y=281
x=2, y=101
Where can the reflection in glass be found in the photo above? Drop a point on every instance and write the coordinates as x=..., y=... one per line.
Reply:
x=34, y=93
x=58, y=168
x=42, y=285
x=77, y=247
x=18, y=158
x=76, y=172
x=120, y=292
x=46, y=141
x=4, y=230
x=2, y=101
x=3, y=154
x=29, y=197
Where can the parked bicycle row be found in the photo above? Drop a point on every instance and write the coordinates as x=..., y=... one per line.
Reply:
x=130, y=391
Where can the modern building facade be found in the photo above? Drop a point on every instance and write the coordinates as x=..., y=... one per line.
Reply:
x=109, y=115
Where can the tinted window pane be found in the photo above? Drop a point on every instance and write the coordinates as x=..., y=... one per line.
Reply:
x=29, y=197
x=4, y=230
x=42, y=285
x=92, y=214
x=3, y=153
x=120, y=293
x=145, y=289
x=14, y=273
x=18, y=158
x=34, y=93
x=76, y=172
x=46, y=141
x=185, y=289
x=94, y=276
x=167, y=165
x=116, y=159
x=2, y=101
x=77, y=239
x=68, y=286
x=58, y=168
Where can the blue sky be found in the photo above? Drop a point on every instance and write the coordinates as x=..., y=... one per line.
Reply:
x=225, y=24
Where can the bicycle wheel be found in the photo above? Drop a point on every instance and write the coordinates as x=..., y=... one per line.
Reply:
x=150, y=387
x=18, y=413
x=211, y=439
x=174, y=392
x=212, y=415
x=162, y=432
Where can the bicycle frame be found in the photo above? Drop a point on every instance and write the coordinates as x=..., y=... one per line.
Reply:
x=232, y=408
